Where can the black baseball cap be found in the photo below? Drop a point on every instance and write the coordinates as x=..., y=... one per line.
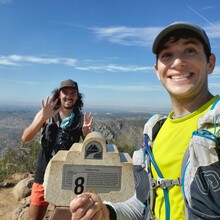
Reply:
x=68, y=83
x=178, y=26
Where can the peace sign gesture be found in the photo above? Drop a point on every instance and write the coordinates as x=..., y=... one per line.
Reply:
x=87, y=124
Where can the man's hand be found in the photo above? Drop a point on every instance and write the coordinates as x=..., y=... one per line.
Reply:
x=87, y=124
x=88, y=206
x=47, y=108
x=46, y=112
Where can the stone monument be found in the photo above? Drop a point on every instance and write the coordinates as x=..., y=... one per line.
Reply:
x=91, y=166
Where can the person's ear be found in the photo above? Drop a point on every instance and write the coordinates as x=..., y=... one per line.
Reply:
x=211, y=64
x=156, y=70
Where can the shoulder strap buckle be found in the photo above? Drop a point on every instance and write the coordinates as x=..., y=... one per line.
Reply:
x=165, y=183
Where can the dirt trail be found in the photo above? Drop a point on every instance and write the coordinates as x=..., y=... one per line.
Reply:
x=7, y=203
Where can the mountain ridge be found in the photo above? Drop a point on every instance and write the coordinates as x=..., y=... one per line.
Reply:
x=121, y=127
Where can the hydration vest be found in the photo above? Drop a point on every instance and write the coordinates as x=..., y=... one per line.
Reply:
x=200, y=172
x=56, y=137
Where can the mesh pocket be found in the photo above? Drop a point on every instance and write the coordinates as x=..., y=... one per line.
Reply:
x=62, y=140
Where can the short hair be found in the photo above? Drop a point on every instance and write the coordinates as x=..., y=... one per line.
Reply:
x=184, y=34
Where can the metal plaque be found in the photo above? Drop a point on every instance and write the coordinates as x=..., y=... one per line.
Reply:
x=100, y=179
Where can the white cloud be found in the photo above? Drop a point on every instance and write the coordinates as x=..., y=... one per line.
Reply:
x=208, y=7
x=115, y=68
x=213, y=30
x=214, y=85
x=128, y=36
x=127, y=88
x=25, y=82
x=5, y=1
x=143, y=36
x=216, y=71
x=16, y=60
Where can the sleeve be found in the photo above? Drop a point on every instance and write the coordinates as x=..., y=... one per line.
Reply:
x=128, y=210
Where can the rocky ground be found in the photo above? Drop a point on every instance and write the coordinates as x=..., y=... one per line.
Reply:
x=15, y=197
x=7, y=203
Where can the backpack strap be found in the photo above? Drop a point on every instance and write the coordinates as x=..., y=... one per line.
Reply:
x=211, y=117
x=57, y=119
x=153, y=125
x=200, y=163
x=145, y=184
x=48, y=135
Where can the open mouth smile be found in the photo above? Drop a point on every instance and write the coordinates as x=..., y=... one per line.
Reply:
x=183, y=76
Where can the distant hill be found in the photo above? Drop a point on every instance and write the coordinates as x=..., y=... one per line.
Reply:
x=12, y=124
x=123, y=128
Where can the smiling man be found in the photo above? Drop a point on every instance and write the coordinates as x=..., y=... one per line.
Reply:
x=62, y=125
x=165, y=190
x=184, y=61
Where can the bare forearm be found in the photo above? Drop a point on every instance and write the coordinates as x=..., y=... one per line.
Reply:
x=31, y=131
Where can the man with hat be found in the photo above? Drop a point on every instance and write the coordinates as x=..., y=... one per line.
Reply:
x=62, y=124
x=183, y=62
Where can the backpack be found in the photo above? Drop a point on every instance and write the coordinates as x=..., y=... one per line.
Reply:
x=55, y=137
x=200, y=172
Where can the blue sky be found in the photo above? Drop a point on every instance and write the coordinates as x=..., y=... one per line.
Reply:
x=104, y=45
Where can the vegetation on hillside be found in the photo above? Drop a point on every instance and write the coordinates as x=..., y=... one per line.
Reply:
x=19, y=160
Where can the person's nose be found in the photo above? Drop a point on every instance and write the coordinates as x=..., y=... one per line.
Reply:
x=69, y=95
x=178, y=62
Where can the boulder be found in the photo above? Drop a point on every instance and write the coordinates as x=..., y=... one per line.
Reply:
x=23, y=188
x=14, y=179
